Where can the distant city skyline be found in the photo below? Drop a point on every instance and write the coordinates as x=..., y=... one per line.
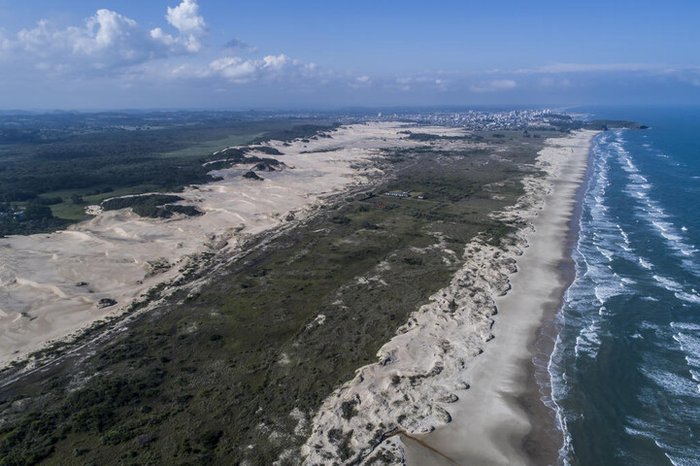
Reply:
x=100, y=54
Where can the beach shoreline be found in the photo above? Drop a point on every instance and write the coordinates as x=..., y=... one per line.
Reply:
x=502, y=418
x=543, y=444
x=433, y=392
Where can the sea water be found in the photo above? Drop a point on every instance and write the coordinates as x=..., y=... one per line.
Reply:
x=625, y=371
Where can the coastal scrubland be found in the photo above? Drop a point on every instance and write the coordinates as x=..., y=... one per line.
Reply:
x=53, y=166
x=235, y=371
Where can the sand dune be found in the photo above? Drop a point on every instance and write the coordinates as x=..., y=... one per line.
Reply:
x=52, y=283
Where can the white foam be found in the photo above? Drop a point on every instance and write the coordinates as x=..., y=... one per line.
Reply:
x=646, y=264
x=668, y=284
x=672, y=383
x=604, y=291
x=676, y=461
x=608, y=254
x=685, y=326
x=688, y=297
x=625, y=236
x=588, y=340
x=690, y=346
x=677, y=456
x=639, y=188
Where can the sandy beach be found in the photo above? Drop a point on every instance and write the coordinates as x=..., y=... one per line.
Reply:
x=489, y=421
x=449, y=386
x=51, y=284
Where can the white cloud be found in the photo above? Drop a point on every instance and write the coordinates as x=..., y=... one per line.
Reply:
x=111, y=46
x=360, y=81
x=425, y=82
x=104, y=30
x=4, y=43
x=588, y=68
x=495, y=85
x=275, y=62
x=163, y=37
x=185, y=18
x=234, y=69
x=238, y=70
x=106, y=39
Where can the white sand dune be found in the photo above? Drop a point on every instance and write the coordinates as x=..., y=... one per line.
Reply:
x=50, y=284
x=429, y=377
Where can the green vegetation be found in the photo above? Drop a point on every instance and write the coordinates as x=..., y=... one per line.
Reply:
x=151, y=205
x=571, y=124
x=428, y=137
x=33, y=217
x=215, y=377
x=146, y=200
x=268, y=150
x=607, y=124
x=251, y=175
x=84, y=159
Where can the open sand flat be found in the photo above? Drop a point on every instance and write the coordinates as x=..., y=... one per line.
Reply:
x=51, y=284
x=445, y=388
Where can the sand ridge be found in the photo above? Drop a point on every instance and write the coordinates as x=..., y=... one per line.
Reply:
x=51, y=284
x=425, y=371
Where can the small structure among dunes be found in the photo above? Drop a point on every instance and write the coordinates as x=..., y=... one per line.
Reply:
x=398, y=194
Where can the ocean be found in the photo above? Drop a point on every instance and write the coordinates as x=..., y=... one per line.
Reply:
x=625, y=370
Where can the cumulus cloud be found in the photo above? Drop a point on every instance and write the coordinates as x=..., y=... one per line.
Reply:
x=234, y=68
x=275, y=62
x=191, y=27
x=106, y=39
x=495, y=85
x=185, y=17
x=112, y=45
x=239, y=70
x=105, y=30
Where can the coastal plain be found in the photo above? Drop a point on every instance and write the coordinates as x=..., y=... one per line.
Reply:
x=296, y=281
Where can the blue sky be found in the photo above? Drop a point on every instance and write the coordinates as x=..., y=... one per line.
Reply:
x=90, y=54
